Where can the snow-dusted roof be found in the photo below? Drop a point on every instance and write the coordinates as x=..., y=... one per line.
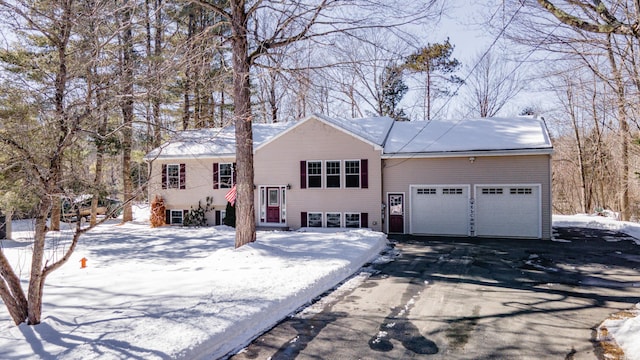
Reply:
x=470, y=135
x=213, y=142
x=399, y=139
x=373, y=129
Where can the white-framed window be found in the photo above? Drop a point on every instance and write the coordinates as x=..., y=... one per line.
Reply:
x=332, y=168
x=176, y=217
x=334, y=220
x=173, y=176
x=225, y=175
x=352, y=220
x=314, y=219
x=352, y=173
x=314, y=174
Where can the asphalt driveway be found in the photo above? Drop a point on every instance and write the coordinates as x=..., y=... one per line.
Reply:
x=469, y=298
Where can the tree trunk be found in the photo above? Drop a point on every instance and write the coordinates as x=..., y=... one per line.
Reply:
x=100, y=149
x=625, y=211
x=36, y=280
x=127, y=114
x=245, y=215
x=157, y=98
x=427, y=97
x=11, y=292
x=581, y=166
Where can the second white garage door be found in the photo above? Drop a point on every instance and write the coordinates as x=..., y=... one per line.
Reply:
x=440, y=209
x=509, y=211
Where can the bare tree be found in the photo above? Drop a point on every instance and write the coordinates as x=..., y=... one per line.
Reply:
x=288, y=23
x=615, y=18
x=491, y=84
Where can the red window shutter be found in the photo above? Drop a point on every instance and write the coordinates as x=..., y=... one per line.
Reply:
x=303, y=175
x=364, y=174
x=164, y=176
x=215, y=176
x=364, y=220
x=183, y=176
x=303, y=219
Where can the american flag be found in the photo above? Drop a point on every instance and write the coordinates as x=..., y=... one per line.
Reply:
x=231, y=195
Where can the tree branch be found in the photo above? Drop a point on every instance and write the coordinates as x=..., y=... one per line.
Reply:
x=611, y=26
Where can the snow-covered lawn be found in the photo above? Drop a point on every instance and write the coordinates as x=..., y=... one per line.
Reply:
x=175, y=292
x=186, y=293
x=625, y=330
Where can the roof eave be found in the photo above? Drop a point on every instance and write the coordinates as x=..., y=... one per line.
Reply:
x=447, y=154
x=188, y=157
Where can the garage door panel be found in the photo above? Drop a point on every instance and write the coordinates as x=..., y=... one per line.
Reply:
x=440, y=210
x=510, y=211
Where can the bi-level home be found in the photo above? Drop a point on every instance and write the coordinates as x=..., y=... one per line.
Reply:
x=472, y=177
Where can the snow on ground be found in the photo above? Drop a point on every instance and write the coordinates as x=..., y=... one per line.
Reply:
x=174, y=292
x=625, y=331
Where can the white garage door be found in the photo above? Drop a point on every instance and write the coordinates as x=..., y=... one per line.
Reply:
x=509, y=211
x=440, y=209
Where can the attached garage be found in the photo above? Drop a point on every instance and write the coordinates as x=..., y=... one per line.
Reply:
x=492, y=210
x=440, y=209
x=487, y=177
x=508, y=210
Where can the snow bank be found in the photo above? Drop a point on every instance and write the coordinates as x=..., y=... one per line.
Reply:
x=175, y=292
x=599, y=222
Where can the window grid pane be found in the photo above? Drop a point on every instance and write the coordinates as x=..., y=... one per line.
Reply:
x=426, y=191
x=521, y=191
x=452, y=191
x=333, y=174
x=173, y=176
x=314, y=219
x=352, y=173
x=352, y=220
x=225, y=176
x=491, y=191
x=314, y=173
x=333, y=220
x=176, y=216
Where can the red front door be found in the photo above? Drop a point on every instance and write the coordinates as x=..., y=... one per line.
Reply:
x=396, y=213
x=273, y=205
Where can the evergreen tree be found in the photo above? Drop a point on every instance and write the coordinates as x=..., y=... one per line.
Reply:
x=393, y=90
x=438, y=65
